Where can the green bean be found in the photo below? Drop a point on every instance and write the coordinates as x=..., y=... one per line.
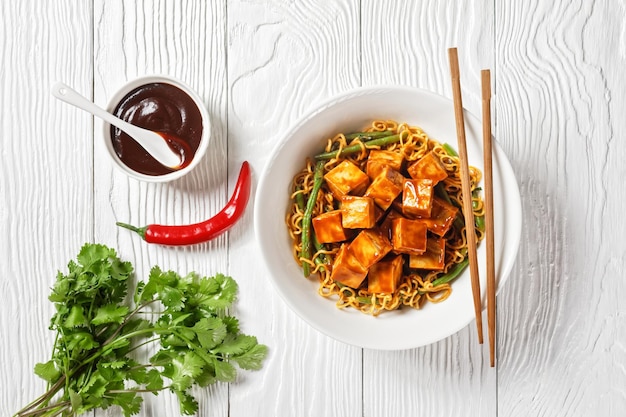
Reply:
x=352, y=149
x=364, y=300
x=301, y=205
x=449, y=150
x=452, y=274
x=300, y=199
x=479, y=222
x=308, y=214
x=369, y=135
x=440, y=191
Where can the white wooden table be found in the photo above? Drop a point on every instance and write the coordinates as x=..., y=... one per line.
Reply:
x=559, y=105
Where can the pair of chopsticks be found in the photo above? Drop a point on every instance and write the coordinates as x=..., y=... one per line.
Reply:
x=467, y=200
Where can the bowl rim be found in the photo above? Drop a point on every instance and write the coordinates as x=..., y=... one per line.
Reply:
x=513, y=236
x=205, y=139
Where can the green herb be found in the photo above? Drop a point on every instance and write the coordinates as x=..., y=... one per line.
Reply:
x=92, y=365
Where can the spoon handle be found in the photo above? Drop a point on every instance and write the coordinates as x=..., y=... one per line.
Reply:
x=65, y=93
x=150, y=141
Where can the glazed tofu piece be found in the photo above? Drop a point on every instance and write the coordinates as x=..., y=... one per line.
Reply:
x=358, y=212
x=434, y=256
x=385, y=187
x=442, y=216
x=379, y=159
x=346, y=178
x=347, y=269
x=408, y=236
x=370, y=246
x=385, y=276
x=430, y=167
x=328, y=227
x=417, y=197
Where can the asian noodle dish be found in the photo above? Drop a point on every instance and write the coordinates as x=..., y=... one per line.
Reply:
x=377, y=218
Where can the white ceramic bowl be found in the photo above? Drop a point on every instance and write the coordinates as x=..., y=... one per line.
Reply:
x=204, y=141
x=352, y=111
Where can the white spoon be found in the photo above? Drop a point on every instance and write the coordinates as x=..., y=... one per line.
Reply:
x=152, y=142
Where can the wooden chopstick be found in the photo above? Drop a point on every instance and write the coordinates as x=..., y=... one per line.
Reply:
x=489, y=223
x=468, y=211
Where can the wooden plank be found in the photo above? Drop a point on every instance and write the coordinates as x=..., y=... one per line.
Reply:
x=282, y=59
x=406, y=43
x=185, y=40
x=559, y=108
x=44, y=220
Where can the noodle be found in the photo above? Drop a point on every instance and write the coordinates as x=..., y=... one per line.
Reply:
x=416, y=287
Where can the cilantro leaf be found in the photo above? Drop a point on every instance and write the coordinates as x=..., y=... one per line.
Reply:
x=47, y=371
x=183, y=369
x=110, y=313
x=224, y=371
x=129, y=402
x=210, y=331
x=219, y=292
x=154, y=381
x=251, y=359
x=236, y=345
x=75, y=317
x=91, y=253
x=188, y=404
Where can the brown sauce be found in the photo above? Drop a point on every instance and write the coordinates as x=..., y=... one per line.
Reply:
x=165, y=109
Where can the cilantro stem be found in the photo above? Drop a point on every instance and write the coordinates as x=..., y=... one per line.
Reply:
x=126, y=320
x=199, y=351
x=56, y=407
x=134, y=390
x=44, y=398
x=147, y=342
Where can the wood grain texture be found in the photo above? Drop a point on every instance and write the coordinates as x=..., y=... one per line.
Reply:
x=43, y=220
x=407, y=44
x=559, y=106
x=284, y=56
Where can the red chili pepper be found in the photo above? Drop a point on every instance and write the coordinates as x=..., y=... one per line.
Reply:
x=201, y=232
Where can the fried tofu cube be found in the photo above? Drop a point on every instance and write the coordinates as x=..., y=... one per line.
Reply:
x=434, y=256
x=408, y=236
x=347, y=269
x=429, y=166
x=346, y=178
x=417, y=197
x=328, y=228
x=358, y=212
x=442, y=216
x=370, y=246
x=385, y=276
x=385, y=187
x=379, y=159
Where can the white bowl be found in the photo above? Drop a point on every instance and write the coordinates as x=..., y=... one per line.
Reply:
x=204, y=141
x=352, y=111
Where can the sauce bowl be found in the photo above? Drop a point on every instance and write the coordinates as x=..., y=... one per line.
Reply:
x=174, y=110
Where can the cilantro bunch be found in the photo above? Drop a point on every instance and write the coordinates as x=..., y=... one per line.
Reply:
x=193, y=341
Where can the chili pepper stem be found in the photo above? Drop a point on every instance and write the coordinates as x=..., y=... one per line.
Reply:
x=141, y=231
